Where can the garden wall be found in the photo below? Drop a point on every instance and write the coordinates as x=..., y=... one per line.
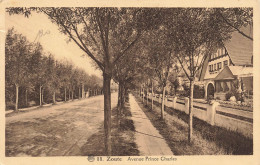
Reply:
x=233, y=119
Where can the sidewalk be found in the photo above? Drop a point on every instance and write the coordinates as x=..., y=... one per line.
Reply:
x=148, y=139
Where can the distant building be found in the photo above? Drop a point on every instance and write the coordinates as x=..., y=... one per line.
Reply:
x=230, y=67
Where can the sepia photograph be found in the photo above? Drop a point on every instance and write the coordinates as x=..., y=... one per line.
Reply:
x=128, y=84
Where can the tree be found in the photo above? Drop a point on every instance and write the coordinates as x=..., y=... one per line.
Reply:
x=52, y=77
x=194, y=35
x=174, y=79
x=37, y=69
x=93, y=29
x=161, y=58
x=17, y=55
x=234, y=19
x=197, y=32
x=126, y=70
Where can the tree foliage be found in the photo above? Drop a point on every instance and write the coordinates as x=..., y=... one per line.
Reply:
x=31, y=69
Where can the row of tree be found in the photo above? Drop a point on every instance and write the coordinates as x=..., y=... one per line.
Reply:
x=184, y=43
x=34, y=77
x=141, y=46
x=181, y=46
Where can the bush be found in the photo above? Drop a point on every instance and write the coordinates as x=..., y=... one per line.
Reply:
x=238, y=96
x=210, y=98
x=228, y=95
x=10, y=105
x=198, y=92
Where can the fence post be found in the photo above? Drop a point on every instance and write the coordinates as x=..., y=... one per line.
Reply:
x=186, y=105
x=174, y=102
x=166, y=101
x=211, y=112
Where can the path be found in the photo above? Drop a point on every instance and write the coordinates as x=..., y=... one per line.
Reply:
x=57, y=130
x=148, y=139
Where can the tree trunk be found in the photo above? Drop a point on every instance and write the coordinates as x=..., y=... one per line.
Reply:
x=65, y=95
x=17, y=97
x=152, y=95
x=143, y=94
x=147, y=96
x=82, y=91
x=72, y=93
x=40, y=95
x=107, y=112
x=119, y=97
x=26, y=97
x=122, y=95
x=69, y=94
x=191, y=111
x=53, y=98
x=162, y=108
x=126, y=94
x=79, y=92
x=118, y=104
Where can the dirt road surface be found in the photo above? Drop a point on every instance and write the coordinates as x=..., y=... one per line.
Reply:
x=58, y=130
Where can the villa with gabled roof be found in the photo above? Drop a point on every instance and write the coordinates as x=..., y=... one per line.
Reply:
x=231, y=67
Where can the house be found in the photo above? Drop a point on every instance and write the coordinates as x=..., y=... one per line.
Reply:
x=230, y=68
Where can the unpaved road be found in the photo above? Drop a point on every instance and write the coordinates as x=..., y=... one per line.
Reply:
x=57, y=130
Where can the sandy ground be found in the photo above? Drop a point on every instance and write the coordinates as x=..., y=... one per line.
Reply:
x=57, y=130
x=148, y=138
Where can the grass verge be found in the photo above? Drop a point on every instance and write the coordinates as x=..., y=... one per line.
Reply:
x=208, y=140
x=122, y=137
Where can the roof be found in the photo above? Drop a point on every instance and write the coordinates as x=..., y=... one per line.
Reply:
x=231, y=72
x=240, y=48
x=241, y=71
x=204, y=69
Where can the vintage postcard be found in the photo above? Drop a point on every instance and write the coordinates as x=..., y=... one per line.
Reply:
x=139, y=82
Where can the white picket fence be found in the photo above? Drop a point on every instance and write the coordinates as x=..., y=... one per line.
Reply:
x=233, y=119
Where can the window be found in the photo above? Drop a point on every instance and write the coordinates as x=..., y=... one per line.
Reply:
x=210, y=68
x=215, y=68
x=226, y=63
x=219, y=65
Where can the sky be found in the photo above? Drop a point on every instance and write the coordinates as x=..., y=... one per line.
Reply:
x=51, y=39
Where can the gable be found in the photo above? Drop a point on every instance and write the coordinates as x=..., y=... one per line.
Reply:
x=225, y=74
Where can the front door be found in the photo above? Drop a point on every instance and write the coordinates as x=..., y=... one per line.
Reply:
x=210, y=90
